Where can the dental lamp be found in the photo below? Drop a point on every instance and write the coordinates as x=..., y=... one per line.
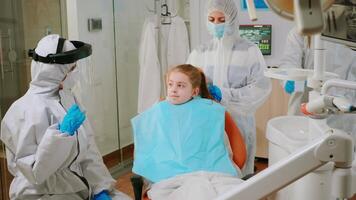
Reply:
x=327, y=146
x=332, y=147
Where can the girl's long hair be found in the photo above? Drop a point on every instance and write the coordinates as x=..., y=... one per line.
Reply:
x=196, y=77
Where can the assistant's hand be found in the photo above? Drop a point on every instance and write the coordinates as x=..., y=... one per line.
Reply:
x=289, y=87
x=72, y=120
x=103, y=195
x=215, y=92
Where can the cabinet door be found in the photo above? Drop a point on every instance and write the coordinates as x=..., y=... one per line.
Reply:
x=276, y=105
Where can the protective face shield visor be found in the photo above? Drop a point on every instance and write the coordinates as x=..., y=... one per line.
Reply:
x=79, y=56
x=82, y=50
x=80, y=82
x=80, y=79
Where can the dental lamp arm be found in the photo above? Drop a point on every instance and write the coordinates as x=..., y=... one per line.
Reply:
x=324, y=104
x=251, y=9
x=337, y=83
x=336, y=147
x=343, y=183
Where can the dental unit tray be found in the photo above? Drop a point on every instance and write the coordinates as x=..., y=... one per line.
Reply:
x=294, y=74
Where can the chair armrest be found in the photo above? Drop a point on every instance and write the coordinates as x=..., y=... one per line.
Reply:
x=248, y=176
x=137, y=185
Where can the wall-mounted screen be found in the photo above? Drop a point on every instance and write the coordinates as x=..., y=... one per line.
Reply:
x=261, y=35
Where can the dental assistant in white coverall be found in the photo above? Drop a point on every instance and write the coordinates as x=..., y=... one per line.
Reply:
x=236, y=66
x=46, y=162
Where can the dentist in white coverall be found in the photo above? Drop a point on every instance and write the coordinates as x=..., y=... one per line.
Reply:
x=47, y=163
x=236, y=66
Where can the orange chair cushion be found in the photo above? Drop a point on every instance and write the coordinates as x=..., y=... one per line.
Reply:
x=236, y=141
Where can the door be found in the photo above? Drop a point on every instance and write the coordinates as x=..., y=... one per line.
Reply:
x=22, y=24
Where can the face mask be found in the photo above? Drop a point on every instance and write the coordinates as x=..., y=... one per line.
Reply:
x=71, y=79
x=217, y=30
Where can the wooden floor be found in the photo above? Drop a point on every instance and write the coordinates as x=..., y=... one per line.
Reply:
x=123, y=184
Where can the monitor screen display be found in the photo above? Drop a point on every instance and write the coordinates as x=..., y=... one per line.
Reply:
x=261, y=35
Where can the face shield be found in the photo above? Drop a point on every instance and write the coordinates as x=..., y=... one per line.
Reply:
x=55, y=53
x=83, y=88
x=82, y=50
x=75, y=64
x=79, y=87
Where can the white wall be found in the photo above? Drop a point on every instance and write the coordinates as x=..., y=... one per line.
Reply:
x=280, y=27
x=129, y=19
x=102, y=105
x=115, y=59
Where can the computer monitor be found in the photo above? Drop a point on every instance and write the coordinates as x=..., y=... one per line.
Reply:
x=261, y=35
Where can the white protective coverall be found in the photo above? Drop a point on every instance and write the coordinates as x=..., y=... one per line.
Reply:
x=339, y=59
x=236, y=66
x=47, y=164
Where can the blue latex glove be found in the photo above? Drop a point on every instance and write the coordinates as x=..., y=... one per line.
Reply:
x=289, y=87
x=215, y=92
x=72, y=120
x=103, y=195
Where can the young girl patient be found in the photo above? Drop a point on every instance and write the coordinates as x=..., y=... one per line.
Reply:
x=180, y=143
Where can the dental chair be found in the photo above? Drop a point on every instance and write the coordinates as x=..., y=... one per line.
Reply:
x=238, y=149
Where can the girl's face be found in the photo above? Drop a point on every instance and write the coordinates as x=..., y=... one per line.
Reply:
x=179, y=88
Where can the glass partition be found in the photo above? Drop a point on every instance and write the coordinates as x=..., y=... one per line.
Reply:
x=22, y=24
x=129, y=19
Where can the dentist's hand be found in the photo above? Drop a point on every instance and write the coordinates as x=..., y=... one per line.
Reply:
x=289, y=87
x=215, y=92
x=72, y=120
x=103, y=195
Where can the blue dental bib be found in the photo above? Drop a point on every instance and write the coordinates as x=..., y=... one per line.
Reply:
x=176, y=139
